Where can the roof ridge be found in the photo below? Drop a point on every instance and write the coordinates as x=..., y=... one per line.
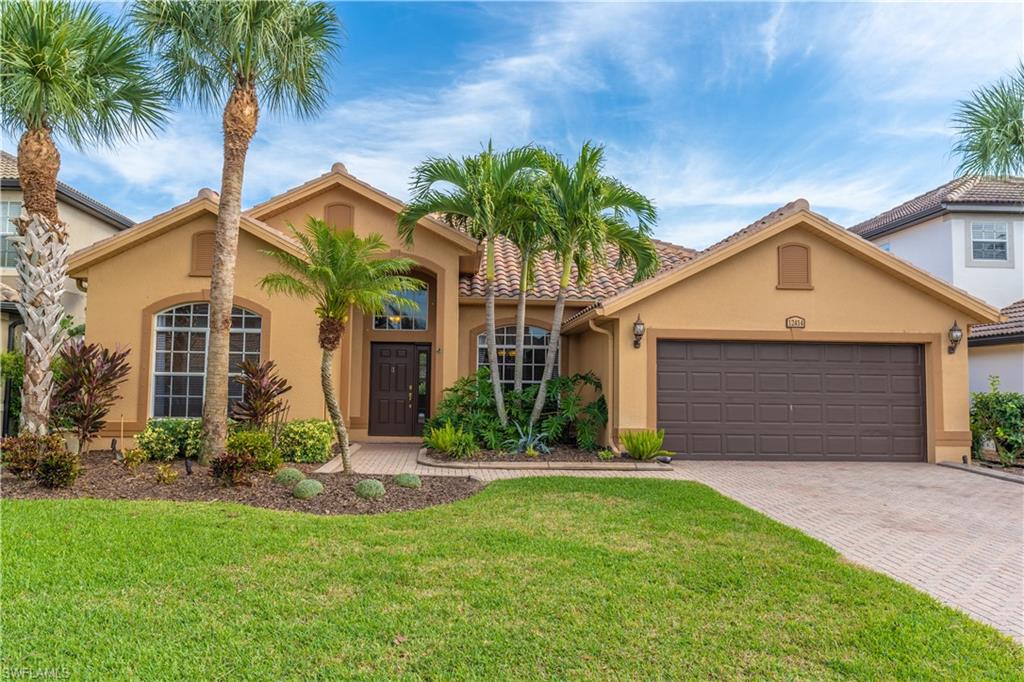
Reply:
x=964, y=183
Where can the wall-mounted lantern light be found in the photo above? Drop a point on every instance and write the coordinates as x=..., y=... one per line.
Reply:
x=955, y=335
x=638, y=331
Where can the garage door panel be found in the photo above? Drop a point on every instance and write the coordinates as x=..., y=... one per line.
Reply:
x=791, y=400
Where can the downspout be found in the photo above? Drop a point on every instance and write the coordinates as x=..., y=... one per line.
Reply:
x=609, y=385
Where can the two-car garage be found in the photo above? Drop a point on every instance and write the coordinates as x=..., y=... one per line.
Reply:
x=791, y=401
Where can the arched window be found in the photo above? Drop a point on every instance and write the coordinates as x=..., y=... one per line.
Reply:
x=179, y=356
x=535, y=353
x=405, y=319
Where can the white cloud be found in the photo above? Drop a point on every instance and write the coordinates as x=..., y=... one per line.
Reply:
x=769, y=32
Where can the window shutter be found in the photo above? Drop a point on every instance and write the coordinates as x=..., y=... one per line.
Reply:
x=341, y=216
x=794, y=267
x=202, y=254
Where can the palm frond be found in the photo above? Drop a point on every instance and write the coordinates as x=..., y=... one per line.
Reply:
x=990, y=129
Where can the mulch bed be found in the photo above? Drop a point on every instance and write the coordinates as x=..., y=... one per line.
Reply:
x=558, y=453
x=105, y=479
x=1013, y=470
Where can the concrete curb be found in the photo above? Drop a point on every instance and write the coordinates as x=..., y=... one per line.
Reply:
x=426, y=460
x=333, y=466
x=982, y=471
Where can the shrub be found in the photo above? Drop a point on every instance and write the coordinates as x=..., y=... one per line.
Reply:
x=187, y=434
x=12, y=369
x=57, y=467
x=262, y=391
x=370, y=489
x=166, y=474
x=644, y=445
x=307, y=440
x=258, y=445
x=157, y=444
x=232, y=468
x=21, y=454
x=451, y=440
x=997, y=417
x=88, y=387
x=307, y=489
x=289, y=476
x=408, y=481
x=133, y=458
x=529, y=442
x=606, y=455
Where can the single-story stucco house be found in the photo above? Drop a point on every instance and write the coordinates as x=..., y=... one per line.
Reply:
x=791, y=339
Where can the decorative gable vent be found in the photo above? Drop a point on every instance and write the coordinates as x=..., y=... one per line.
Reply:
x=341, y=216
x=794, y=267
x=202, y=254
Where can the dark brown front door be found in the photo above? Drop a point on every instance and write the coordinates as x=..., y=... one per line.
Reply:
x=799, y=401
x=398, y=381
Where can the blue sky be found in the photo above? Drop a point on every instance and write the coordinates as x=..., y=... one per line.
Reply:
x=719, y=112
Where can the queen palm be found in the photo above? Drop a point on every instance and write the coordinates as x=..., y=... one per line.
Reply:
x=486, y=193
x=235, y=54
x=340, y=272
x=67, y=73
x=589, y=212
x=990, y=140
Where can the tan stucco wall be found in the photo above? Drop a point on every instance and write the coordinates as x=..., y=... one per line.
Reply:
x=852, y=300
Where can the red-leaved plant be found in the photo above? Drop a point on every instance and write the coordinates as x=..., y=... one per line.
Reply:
x=87, y=389
x=262, y=389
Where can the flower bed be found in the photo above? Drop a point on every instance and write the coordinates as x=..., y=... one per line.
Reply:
x=558, y=453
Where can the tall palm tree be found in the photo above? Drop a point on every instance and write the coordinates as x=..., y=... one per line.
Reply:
x=486, y=194
x=340, y=272
x=235, y=54
x=66, y=72
x=990, y=140
x=530, y=235
x=591, y=212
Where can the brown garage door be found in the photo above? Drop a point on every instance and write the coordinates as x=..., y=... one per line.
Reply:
x=791, y=401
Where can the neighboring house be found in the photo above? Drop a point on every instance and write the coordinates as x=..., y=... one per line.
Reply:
x=969, y=232
x=87, y=221
x=792, y=339
x=998, y=350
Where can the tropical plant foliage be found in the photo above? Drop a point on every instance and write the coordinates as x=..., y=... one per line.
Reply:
x=990, y=125
x=644, y=445
x=262, y=391
x=88, y=387
x=997, y=417
x=339, y=271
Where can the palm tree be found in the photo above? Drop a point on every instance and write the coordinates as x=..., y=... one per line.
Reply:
x=66, y=72
x=590, y=213
x=340, y=272
x=486, y=193
x=531, y=237
x=990, y=140
x=235, y=53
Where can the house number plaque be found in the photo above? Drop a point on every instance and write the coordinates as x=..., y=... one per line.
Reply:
x=795, y=322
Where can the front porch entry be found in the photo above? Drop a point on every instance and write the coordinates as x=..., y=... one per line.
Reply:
x=399, y=388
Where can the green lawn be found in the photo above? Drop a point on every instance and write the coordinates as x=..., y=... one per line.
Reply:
x=539, y=577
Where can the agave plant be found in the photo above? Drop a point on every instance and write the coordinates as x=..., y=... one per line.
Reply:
x=529, y=442
x=262, y=389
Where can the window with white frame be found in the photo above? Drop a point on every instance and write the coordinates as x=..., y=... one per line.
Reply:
x=394, y=317
x=535, y=353
x=9, y=210
x=181, y=340
x=990, y=241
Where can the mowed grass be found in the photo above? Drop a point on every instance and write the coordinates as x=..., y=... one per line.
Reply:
x=533, y=578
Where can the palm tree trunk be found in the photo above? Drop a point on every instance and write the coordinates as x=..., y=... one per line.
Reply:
x=521, y=327
x=327, y=384
x=554, y=340
x=42, y=267
x=492, y=343
x=241, y=115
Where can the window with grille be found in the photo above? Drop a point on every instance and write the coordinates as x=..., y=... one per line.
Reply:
x=990, y=241
x=181, y=339
x=394, y=317
x=9, y=210
x=535, y=353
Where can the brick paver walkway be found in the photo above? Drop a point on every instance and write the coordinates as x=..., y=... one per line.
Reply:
x=955, y=535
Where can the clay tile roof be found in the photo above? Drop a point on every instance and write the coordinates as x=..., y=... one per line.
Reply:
x=966, y=190
x=775, y=216
x=605, y=281
x=9, y=176
x=1014, y=325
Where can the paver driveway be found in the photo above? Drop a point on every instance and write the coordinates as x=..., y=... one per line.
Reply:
x=955, y=535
